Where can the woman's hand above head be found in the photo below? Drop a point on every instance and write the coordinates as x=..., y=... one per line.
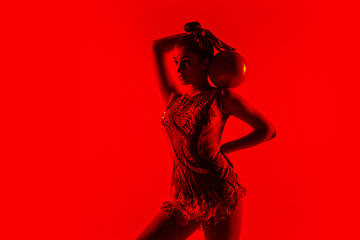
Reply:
x=166, y=44
x=217, y=43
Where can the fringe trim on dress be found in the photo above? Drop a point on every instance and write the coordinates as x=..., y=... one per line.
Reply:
x=199, y=216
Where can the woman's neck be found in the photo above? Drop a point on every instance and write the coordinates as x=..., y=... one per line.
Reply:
x=201, y=86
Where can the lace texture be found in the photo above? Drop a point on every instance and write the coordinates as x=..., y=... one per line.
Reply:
x=204, y=187
x=195, y=215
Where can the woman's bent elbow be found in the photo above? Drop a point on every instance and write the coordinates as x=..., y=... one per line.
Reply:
x=155, y=45
x=273, y=135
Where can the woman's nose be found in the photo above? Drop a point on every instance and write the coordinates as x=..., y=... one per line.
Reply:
x=180, y=67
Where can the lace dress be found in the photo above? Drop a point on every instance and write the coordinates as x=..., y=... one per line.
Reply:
x=204, y=187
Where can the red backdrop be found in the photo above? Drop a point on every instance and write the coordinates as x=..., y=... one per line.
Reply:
x=86, y=155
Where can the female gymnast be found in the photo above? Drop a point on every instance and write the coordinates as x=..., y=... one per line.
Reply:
x=206, y=193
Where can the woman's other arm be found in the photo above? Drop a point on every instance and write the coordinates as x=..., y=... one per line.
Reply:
x=167, y=85
x=235, y=105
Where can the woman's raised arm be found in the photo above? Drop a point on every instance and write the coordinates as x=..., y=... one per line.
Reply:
x=167, y=86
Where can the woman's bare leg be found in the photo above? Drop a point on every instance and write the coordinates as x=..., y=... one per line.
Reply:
x=228, y=228
x=160, y=228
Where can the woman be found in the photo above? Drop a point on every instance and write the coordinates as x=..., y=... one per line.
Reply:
x=205, y=191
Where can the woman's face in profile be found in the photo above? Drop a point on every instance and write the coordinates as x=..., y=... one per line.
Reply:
x=187, y=64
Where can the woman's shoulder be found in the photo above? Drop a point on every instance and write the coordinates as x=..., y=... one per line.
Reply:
x=226, y=97
x=222, y=94
x=225, y=92
x=173, y=96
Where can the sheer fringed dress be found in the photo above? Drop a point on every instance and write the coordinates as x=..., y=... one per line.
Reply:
x=204, y=187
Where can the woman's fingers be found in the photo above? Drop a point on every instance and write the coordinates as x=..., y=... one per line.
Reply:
x=221, y=46
x=213, y=39
x=209, y=34
x=217, y=43
x=227, y=47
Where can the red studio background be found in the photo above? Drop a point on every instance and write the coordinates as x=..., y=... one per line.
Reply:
x=84, y=156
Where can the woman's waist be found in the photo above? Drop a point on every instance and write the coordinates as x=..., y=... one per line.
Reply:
x=206, y=185
x=203, y=163
x=208, y=173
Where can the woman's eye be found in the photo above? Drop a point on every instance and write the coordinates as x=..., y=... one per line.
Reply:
x=183, y=62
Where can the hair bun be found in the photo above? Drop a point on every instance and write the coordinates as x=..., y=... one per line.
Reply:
x=194, y=28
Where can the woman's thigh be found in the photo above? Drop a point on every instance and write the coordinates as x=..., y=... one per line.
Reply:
x=228, y=228
x=160, y=228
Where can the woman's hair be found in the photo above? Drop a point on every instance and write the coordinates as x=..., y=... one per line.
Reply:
x=196, y=41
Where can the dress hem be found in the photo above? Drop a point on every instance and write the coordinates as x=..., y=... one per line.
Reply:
x=180, y=218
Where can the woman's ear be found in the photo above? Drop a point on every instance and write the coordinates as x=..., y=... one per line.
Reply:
x=205, y=64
